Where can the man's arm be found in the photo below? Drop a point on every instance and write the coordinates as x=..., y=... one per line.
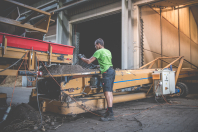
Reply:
x=88, y=61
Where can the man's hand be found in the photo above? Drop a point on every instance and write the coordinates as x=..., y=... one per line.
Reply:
x=80, y=56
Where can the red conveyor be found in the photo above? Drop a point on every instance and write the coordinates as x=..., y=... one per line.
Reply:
x=35, y=44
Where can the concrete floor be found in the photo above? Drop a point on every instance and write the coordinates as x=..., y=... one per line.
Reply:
x=180, y=115
x=21, y=94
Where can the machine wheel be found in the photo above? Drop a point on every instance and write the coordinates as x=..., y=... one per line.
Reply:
x=183, y=89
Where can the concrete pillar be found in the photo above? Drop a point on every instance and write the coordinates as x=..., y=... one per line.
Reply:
x=130, y=47
x=136, y=35
x=62, y=27
x=127, y=35
x=124, y=46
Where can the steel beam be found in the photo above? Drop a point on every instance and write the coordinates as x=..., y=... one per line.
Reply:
x=96, y=13
x=29, y=7
x=41, y=6
x=145, y=2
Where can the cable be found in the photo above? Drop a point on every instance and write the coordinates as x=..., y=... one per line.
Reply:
x=14, y=63
x=37, y=97
x=68, y=94
x=16, y=79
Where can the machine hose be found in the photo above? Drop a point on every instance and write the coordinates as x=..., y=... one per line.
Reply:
x=6, y=114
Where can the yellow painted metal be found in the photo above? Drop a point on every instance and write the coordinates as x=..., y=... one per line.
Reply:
x=8, y=72
x=43, y=23
x=3, y=95
x=149, y=63
x=117, y=93
x=128, y=78
x=18, y=53
x=173, y=62
x=31, y=60
x=50, y=54
x=33, y=93
x=80, y=83
x=77, y=107
x=178, y=70
x=5, y=45
x=128, y=97
x=123, y=79
x=155, y=76
x=4, y=66
x=71, y=107
x=158, y=63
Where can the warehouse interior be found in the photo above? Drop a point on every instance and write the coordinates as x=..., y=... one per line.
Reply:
x=109, y=29
x=46, y=86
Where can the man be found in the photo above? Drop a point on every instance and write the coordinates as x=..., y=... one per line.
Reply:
x=108, y=75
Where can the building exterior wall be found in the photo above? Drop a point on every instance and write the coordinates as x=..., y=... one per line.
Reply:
x=152, y=34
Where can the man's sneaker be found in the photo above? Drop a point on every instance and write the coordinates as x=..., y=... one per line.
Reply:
x=108, y=117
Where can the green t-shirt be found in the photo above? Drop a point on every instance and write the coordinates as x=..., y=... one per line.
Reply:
x=104, y=59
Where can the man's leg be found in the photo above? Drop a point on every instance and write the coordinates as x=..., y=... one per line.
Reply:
x=109, y=116
x=109, y=98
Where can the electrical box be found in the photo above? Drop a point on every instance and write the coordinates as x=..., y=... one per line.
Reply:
x=164, y=82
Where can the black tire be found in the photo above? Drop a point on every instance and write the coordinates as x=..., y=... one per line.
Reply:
x=183, y=89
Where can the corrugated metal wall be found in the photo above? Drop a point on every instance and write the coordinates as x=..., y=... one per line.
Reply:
x=170, y=33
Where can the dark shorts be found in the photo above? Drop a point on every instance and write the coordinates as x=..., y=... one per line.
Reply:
x=108, y=78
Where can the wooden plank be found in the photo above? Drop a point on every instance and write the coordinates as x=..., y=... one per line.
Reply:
x=158, y=63
x=49, y=19
x=148, y=63
x=8, y=72
x=178, y=70
x=173, y=62
x=18, y=53
x=169, y=57
x=29, y=7
x=43, y=23
x=17, y=23
x=152, y=65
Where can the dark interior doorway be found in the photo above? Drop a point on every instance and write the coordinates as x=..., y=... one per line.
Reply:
x=109, y=29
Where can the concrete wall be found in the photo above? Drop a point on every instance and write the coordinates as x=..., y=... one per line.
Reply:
x=169, y=32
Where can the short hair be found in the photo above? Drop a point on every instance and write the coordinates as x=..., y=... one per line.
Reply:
x=100, y=41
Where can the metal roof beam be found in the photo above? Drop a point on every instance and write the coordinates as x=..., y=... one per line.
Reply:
x=145, y=2
x=29, y=7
